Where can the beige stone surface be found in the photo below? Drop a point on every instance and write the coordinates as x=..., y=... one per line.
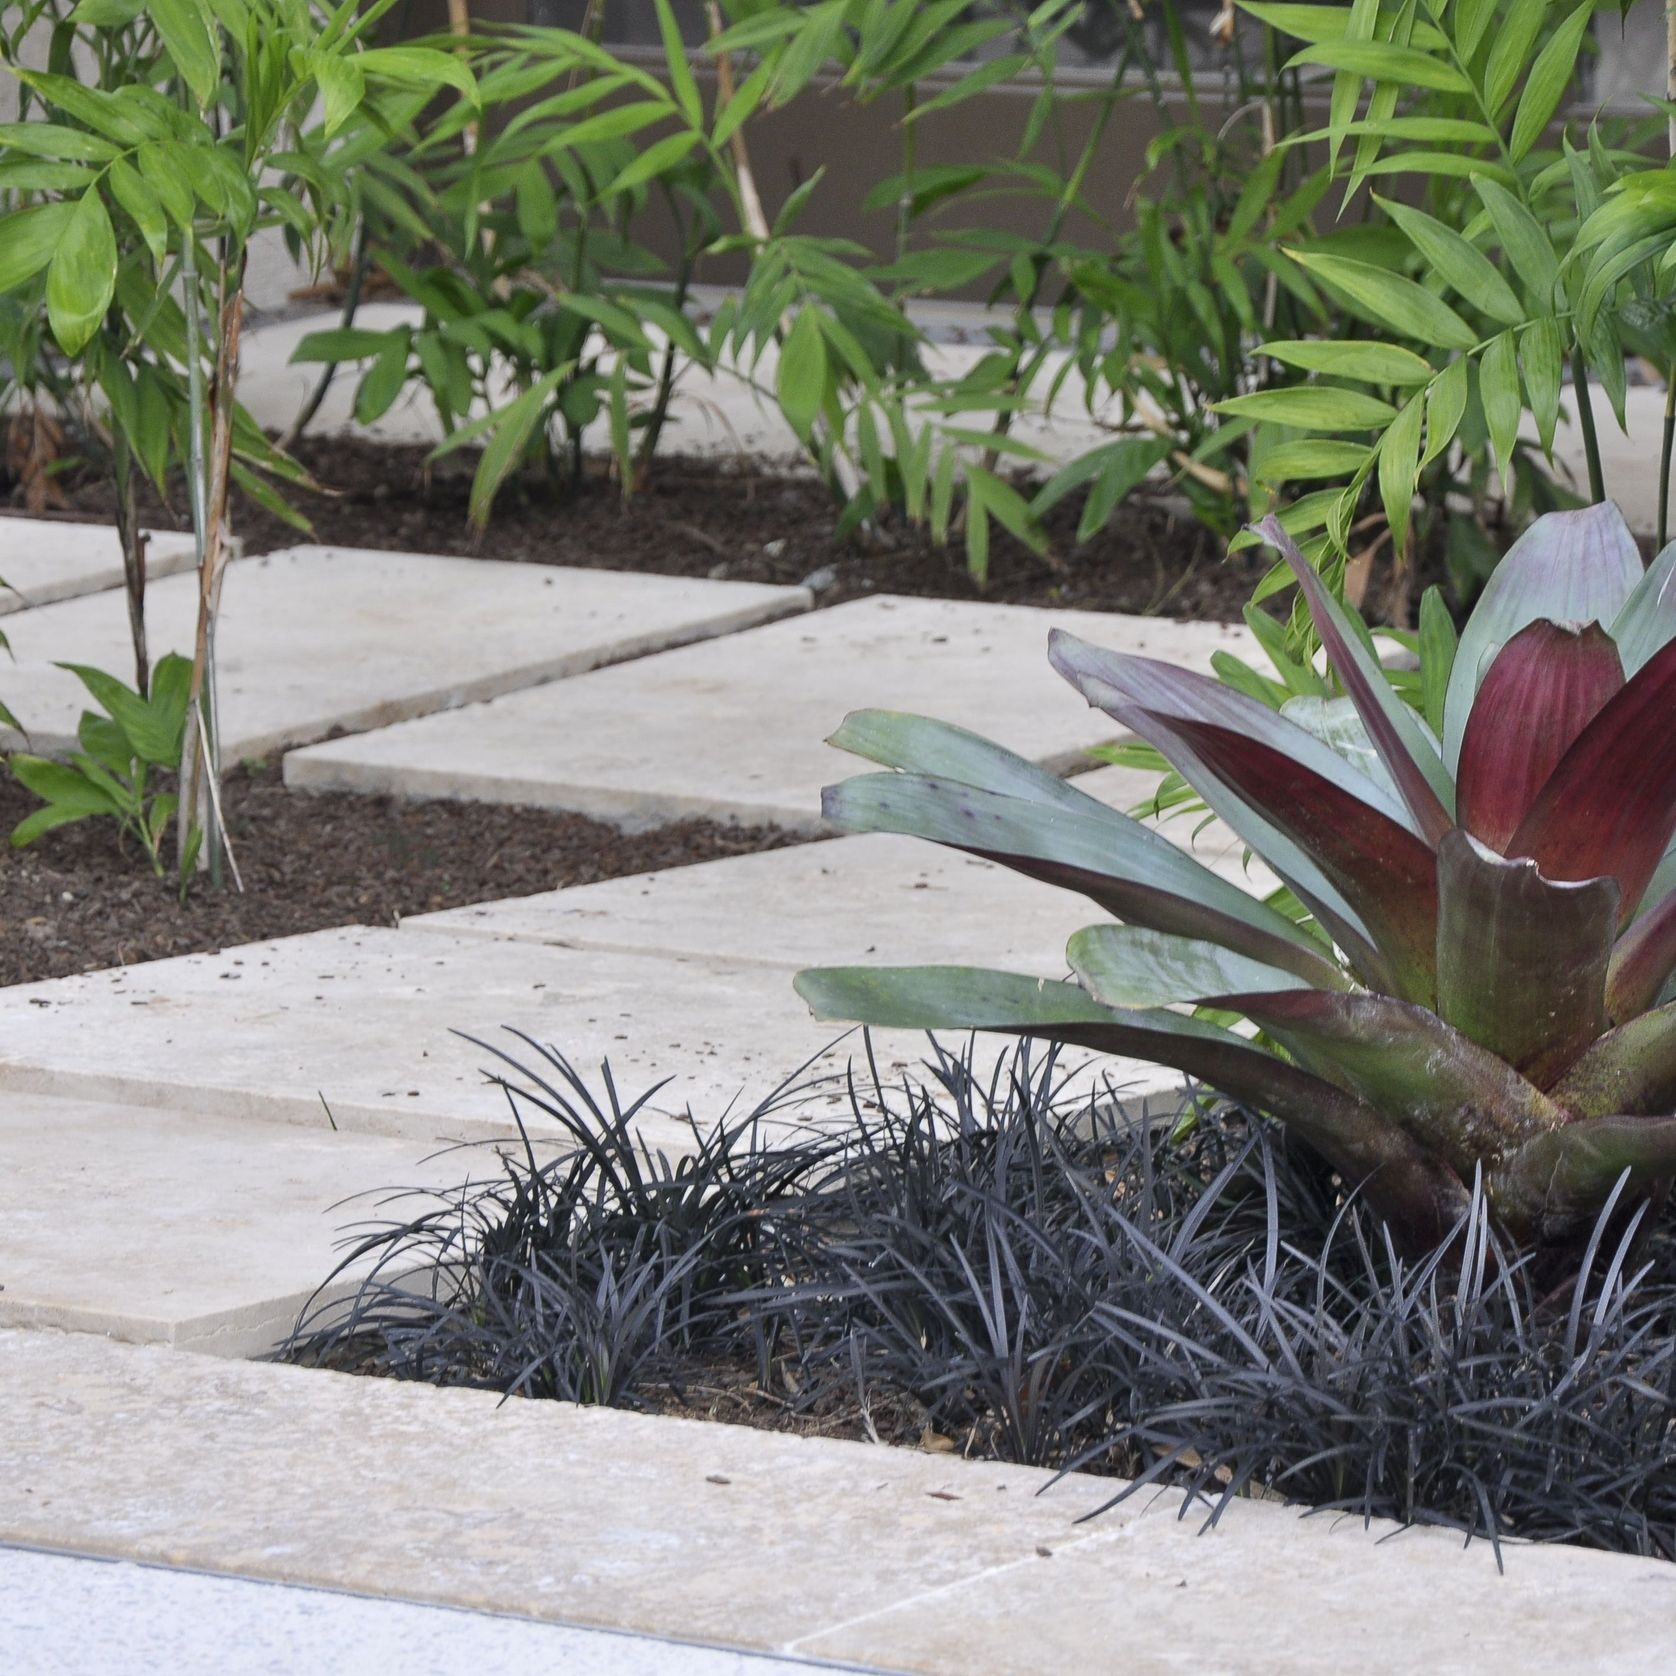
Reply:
x=47, y=559
x=317, y=638
x=735, y=730
x=916, y=1563
x=366, y=1022
x=202, y=1232
x=841, y=901
x=877, y=899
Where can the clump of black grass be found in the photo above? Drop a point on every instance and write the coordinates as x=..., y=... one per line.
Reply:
x=1045, y=1276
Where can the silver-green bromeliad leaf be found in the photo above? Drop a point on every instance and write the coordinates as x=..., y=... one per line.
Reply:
x=1130, y=966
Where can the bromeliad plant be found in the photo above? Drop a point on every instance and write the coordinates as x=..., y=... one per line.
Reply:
x=1477, y=998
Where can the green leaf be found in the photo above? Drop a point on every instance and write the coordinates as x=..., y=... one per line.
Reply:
x=384, y=379
x=1520, y=25
x=1529, y=254
x=1542, y=355
x=422, y=67
x=143, y=205
x=82, y=277
x=29, y=238
x=49, y=139
x=340, y=343
x=1394, y=302
x=59, y=784
x=1312, y=407
x=513, y=427
x=1399, y=467
x=658, y=158
x=1374, y=363
x=1460, y=265
x=680, y=70
x=1498, y=390
x=800, y=382
x=342, y=88
x=1446, y=404
x=1292, y=462
x=162, y=173
x=1547, y=81
x=1381, y=61
x=191, y=43
x=1437, y=656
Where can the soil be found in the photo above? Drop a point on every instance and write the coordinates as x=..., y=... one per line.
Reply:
x=76, y=902
x=706, y=518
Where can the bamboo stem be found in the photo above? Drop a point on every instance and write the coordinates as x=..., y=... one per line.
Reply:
x=1586, y=418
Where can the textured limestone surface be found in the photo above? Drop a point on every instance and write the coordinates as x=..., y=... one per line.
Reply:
x=313, y=639
x=914, y=1562
x=735, y=730
x=392, y=1031
x=871, y=900
x=47, y=559
x=205, y=1232
x=69, y=1615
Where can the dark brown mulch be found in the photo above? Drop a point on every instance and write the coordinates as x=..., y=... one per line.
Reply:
x=704, y=518
x=74, y=902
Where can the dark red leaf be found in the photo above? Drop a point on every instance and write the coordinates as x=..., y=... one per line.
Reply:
x=1394, y=729
x=1546, y=685
x=1386, y=874
x=1642, y=962
x=1521, y=960
x=1609, y=808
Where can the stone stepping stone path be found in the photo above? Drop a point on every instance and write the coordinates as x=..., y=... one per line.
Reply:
x=732, y=730
x=880, y=900
x=314, y=639
x=801, y=1547
x=206, y=1233
x=361, y=1021
x=47, y=559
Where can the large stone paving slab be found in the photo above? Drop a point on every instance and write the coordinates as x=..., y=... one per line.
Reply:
x=734, y=731
x=45, y=559
x=891, y=1558
x=78, y=1615
x=318, y=638
x=868, y=900
x=202, y=1232
x=362, y=1022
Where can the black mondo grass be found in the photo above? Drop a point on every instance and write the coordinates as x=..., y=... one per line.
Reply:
x=1020, y=1265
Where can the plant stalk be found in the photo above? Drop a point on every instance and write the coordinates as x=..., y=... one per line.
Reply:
x=1586, y=418
x=133, y=542
x=1665, y=453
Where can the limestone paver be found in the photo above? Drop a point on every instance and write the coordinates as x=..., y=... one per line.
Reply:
x=317, y=638
x=361, y=1021
x=197, y=1231
x=837, y=902
x=76, y=1615
x=924, y=1564
x=44, y=559
x=734, y=730
x=868, y=900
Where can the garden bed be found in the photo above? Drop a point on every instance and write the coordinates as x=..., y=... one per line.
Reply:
x=75, y=902
x=700, y=517
x=1019, y=1270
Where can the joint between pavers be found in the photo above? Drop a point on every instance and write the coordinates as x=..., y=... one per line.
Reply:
x=1094, y=1539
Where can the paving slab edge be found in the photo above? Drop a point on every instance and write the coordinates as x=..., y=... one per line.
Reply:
x=245, y=1498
